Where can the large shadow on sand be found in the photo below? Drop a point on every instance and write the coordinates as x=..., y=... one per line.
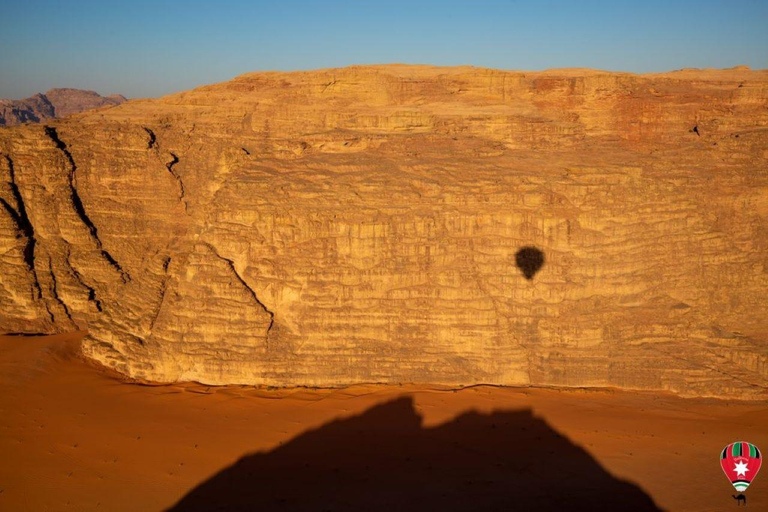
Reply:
x=384, y=460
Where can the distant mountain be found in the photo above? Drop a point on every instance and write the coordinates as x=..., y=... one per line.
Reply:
x=54, y=103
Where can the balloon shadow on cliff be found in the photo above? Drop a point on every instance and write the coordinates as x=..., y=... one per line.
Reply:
x=529, y=260
x=384, y=460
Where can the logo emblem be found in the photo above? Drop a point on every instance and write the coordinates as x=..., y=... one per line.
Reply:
x=741, y=461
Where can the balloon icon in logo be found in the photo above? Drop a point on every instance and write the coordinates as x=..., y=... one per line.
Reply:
x=741, y=462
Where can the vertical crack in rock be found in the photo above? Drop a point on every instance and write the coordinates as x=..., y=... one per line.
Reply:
x=81, y=281
x=55, y=290
x=23, y=224
x=152, y=138
x=169, y=166
x=153, y=144
x=78, y=203
x=251, y=291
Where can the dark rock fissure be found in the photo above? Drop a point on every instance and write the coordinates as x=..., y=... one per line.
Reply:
x=79, y=277
x=152, y=138
x=112, y=261
x=13, y=214
x=24, y=225
x=169, y=166
x=251, y=291
x=55, y=290
x=78, y=203
x=163, y=290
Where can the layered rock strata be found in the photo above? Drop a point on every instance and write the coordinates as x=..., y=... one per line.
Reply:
x=362, y=225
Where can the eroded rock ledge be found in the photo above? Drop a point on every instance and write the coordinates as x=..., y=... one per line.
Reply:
x=361, y=225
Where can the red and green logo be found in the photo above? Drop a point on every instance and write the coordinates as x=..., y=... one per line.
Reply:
x=741, y=461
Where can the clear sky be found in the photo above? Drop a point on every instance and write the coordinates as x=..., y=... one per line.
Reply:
x=148, y=48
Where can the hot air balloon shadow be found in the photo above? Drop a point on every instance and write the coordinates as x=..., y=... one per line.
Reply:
x=529, y=260
x=384, y=460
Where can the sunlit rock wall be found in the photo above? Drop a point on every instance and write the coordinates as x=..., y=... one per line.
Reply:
x=361, y=225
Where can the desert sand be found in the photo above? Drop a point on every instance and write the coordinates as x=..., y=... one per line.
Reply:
x=74, y=436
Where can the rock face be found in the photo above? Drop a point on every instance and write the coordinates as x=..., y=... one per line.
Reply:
x=365, y=224
x=30, y=110
x=54, y=103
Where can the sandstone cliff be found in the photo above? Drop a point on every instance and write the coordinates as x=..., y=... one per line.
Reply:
x=361, y=225
x=54, y=103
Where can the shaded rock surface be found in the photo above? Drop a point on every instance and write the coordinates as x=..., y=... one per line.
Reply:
x=54, y=103
x=362, y=225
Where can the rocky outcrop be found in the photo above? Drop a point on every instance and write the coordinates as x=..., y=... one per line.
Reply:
x=379, y=224
x=31, y=110
x=54, y=103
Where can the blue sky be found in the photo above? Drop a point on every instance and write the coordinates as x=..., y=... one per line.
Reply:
x=141, y=48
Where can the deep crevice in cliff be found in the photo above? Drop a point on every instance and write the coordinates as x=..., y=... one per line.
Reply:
x=24, y=225
x=169, y=166
x=78, y=203
x=251, y=291
x=152, y=138
x=79, y=277
x=55, y=291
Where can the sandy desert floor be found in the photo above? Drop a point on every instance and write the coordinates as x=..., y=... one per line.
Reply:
x=74, y=437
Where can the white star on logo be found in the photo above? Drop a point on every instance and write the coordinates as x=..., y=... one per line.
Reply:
x=741, y=469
